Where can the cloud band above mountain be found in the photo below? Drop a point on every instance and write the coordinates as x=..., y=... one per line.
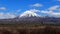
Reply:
x=6, y=15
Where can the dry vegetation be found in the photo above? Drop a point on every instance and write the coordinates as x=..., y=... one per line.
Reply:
x=30, y=29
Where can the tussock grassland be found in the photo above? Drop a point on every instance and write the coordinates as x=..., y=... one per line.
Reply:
x=29, y=29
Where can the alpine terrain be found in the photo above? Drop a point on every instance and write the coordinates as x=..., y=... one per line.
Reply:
x=31, y=16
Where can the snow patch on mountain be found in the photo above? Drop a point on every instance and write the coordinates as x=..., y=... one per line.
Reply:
x=30, y=13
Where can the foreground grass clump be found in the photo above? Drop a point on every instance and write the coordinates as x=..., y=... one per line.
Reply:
x=29, y=29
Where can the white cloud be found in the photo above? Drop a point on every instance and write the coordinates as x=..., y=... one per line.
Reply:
x=6, y=15
x=58, y=9
x=2, y=8
x=51, y=13
x=55, y=14
x=18, y=10
x=54, y=7
x=34, y=10
x=36, y=5
x=58, y=0
x=47, y=12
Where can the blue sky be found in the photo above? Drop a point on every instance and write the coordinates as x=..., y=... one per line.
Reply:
x=19, y=6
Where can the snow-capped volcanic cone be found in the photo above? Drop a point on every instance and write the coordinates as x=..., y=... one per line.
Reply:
x=29, y=13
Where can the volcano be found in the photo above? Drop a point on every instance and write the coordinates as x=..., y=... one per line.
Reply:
x=31, y=16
